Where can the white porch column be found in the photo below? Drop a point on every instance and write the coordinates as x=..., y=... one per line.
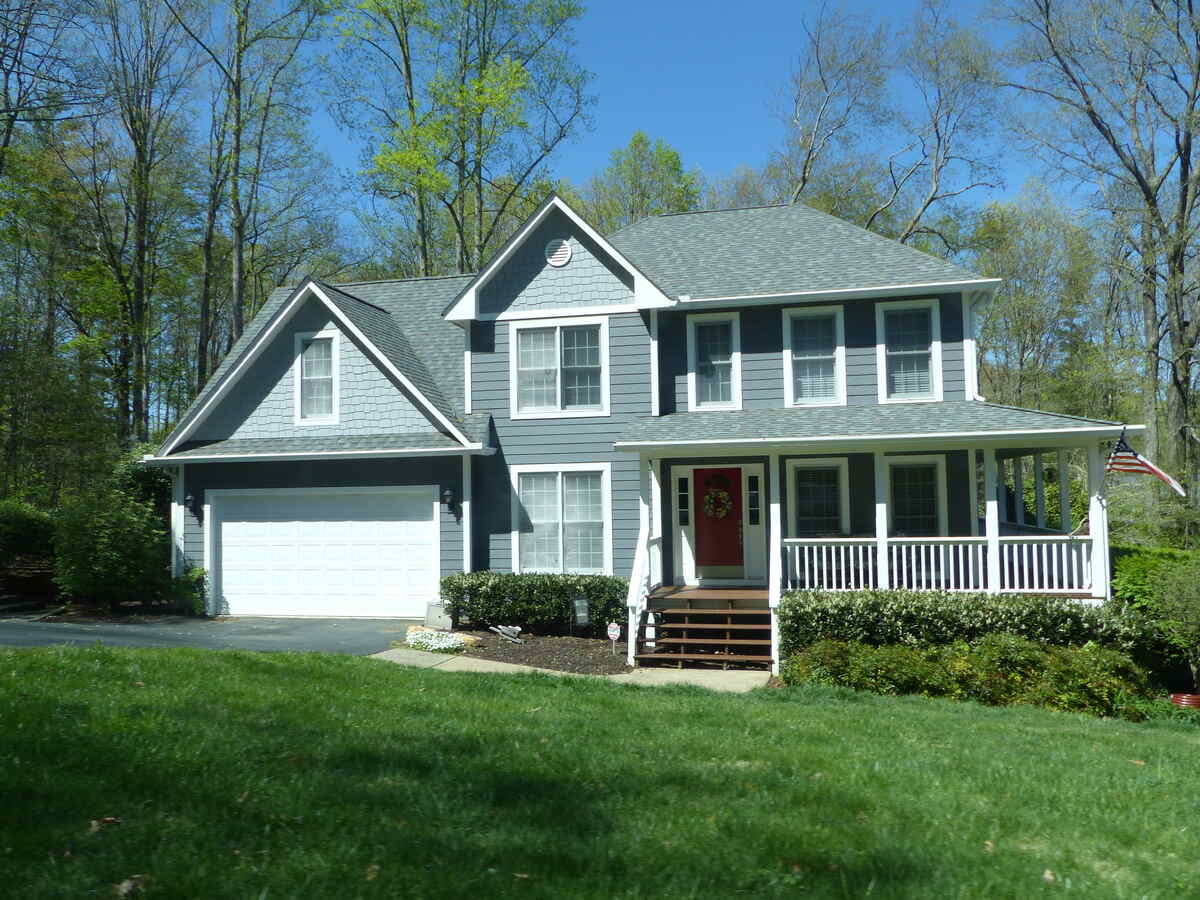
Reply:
x=639, y=576
x=775, y=557
x=177, y=498
x=991, y=520
x=883, y=578
x=467, y=531
x=1018, y=464
x=656, y=522
x=1039, y=489
x=1064, y=491
x=1098, y=523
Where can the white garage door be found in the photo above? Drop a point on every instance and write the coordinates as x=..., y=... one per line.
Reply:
x=327, y=552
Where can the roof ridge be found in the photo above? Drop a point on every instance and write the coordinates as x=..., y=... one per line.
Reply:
x=404, y=280
x=353, y=297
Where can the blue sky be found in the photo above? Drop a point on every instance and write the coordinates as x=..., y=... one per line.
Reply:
x=705, y=76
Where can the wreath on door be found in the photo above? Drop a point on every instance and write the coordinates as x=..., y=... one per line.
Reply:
x=717, y=503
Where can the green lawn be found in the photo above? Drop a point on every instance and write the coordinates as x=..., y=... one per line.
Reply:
x=272, y=776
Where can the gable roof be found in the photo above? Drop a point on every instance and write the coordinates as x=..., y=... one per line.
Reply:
x=464, y=306
x=776, y=250
x=375, y=327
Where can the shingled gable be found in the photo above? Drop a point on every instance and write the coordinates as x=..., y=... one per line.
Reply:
x=465, y=307
x=372, y=327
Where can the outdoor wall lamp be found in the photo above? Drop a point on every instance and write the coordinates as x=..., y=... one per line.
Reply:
x=447, y=498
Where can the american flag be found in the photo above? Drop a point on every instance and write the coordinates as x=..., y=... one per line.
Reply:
x=1125, y=459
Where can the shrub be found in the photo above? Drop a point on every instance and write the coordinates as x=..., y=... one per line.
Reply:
x=25, y=530
x=540, y=603
x=928, y=617
x=190, y=591
x=1137, y=571
x=111, y=547
x=1177, y=597
x=998, y=670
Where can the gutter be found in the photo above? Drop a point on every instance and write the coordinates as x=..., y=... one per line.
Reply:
x=317, y=455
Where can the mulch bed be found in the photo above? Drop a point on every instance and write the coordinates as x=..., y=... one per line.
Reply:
x=584, y=656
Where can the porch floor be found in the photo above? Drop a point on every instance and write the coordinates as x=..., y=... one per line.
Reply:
x=755, y=598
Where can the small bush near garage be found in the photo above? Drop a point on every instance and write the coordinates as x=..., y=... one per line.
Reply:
x=925, y=618
x=110, y=547
x=540, y=603
x=997, y=670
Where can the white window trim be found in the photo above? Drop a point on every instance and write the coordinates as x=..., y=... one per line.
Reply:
x=935, y=374
x=558, y=324
x=735, y=364
x=605, y=470
x=839, y=353
x=297, y=367
x=842, y=464
x=943, y=512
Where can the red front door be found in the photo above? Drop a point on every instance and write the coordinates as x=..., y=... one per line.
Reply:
x=717, y=495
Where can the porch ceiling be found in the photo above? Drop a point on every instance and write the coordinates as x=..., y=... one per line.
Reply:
x=950, y=423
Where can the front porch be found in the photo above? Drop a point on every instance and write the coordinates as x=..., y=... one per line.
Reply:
x=1000, y=516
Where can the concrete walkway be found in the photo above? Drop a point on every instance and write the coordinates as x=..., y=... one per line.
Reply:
x=733, y=680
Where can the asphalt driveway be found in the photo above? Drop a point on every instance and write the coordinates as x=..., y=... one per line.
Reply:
x=358, y=637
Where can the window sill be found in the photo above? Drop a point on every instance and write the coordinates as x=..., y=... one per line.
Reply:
x=324, y=420
x=561, y=414
x=929, y=399
x=714, y=407
x=810, y=403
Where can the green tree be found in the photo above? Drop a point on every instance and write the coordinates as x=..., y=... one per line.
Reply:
x=644, y=178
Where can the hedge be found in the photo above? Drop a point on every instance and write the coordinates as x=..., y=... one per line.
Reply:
x=997, y=670
x=933, y=618
x=542, y=604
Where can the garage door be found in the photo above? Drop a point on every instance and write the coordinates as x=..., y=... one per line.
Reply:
x=327, y=552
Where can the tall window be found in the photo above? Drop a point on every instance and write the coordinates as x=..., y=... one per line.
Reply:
x=316, y=378
x=815, y=368
x=714, y=362
x=910, y=346
x=560, y=524
x=559, y=368
x=915, y=499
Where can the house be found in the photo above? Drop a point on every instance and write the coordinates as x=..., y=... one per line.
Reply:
x=720, y=406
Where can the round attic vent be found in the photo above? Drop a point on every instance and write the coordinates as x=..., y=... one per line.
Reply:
x=558, y=252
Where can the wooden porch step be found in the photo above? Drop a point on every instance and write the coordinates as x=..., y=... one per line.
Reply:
x=711, y=626
x=712, y=612
x=724, y=642
x=702, y=657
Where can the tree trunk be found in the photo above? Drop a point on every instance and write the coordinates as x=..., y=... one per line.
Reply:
x=1149, y=291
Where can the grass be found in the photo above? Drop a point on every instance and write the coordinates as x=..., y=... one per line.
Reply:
x=280, y=775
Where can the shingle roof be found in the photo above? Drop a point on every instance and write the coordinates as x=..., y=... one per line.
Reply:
x=336, y=444
x=853, y=423
x=772, y=250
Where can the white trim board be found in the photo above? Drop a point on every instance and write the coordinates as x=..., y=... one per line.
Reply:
x=469, y=449
x=514, y=474
x=260, y=343
x=891, y=290
x=645, y=294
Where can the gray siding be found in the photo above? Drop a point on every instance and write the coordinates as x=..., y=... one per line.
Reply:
x=445, y=472
x=762, y=354
x=527, y=282
x=262, y=405
x=543, y=441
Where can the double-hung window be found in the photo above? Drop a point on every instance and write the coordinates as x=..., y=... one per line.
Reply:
x=814, y=356
x=560, y=519
x=316, y=378
x=820, y=497
x=559, y=368
x=917, y=497
x=909, y=351
x=714, y=362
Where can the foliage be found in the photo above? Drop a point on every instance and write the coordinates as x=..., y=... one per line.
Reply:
x=997, y=670
x=435, y=641
x=1138, y=574
x=642, y=179
x=540, y=603
x=931, y=617
x=110, y=547
x=1177, y=597
x=190, y=591
x=25, y=530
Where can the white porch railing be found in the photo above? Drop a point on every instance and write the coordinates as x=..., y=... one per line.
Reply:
x=831, y=564
x=655, y=562
x=1046, y=563
x=938, y=563
x=1042, y=563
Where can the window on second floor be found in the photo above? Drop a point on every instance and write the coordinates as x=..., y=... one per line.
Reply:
x=714, y=362
x=316, y=378
x=814, y=356
x=909, y=351
x=559, y=368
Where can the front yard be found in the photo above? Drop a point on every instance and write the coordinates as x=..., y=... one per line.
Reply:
x=223, y=774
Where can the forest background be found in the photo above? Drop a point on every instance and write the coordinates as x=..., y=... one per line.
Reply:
x=165, y=164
